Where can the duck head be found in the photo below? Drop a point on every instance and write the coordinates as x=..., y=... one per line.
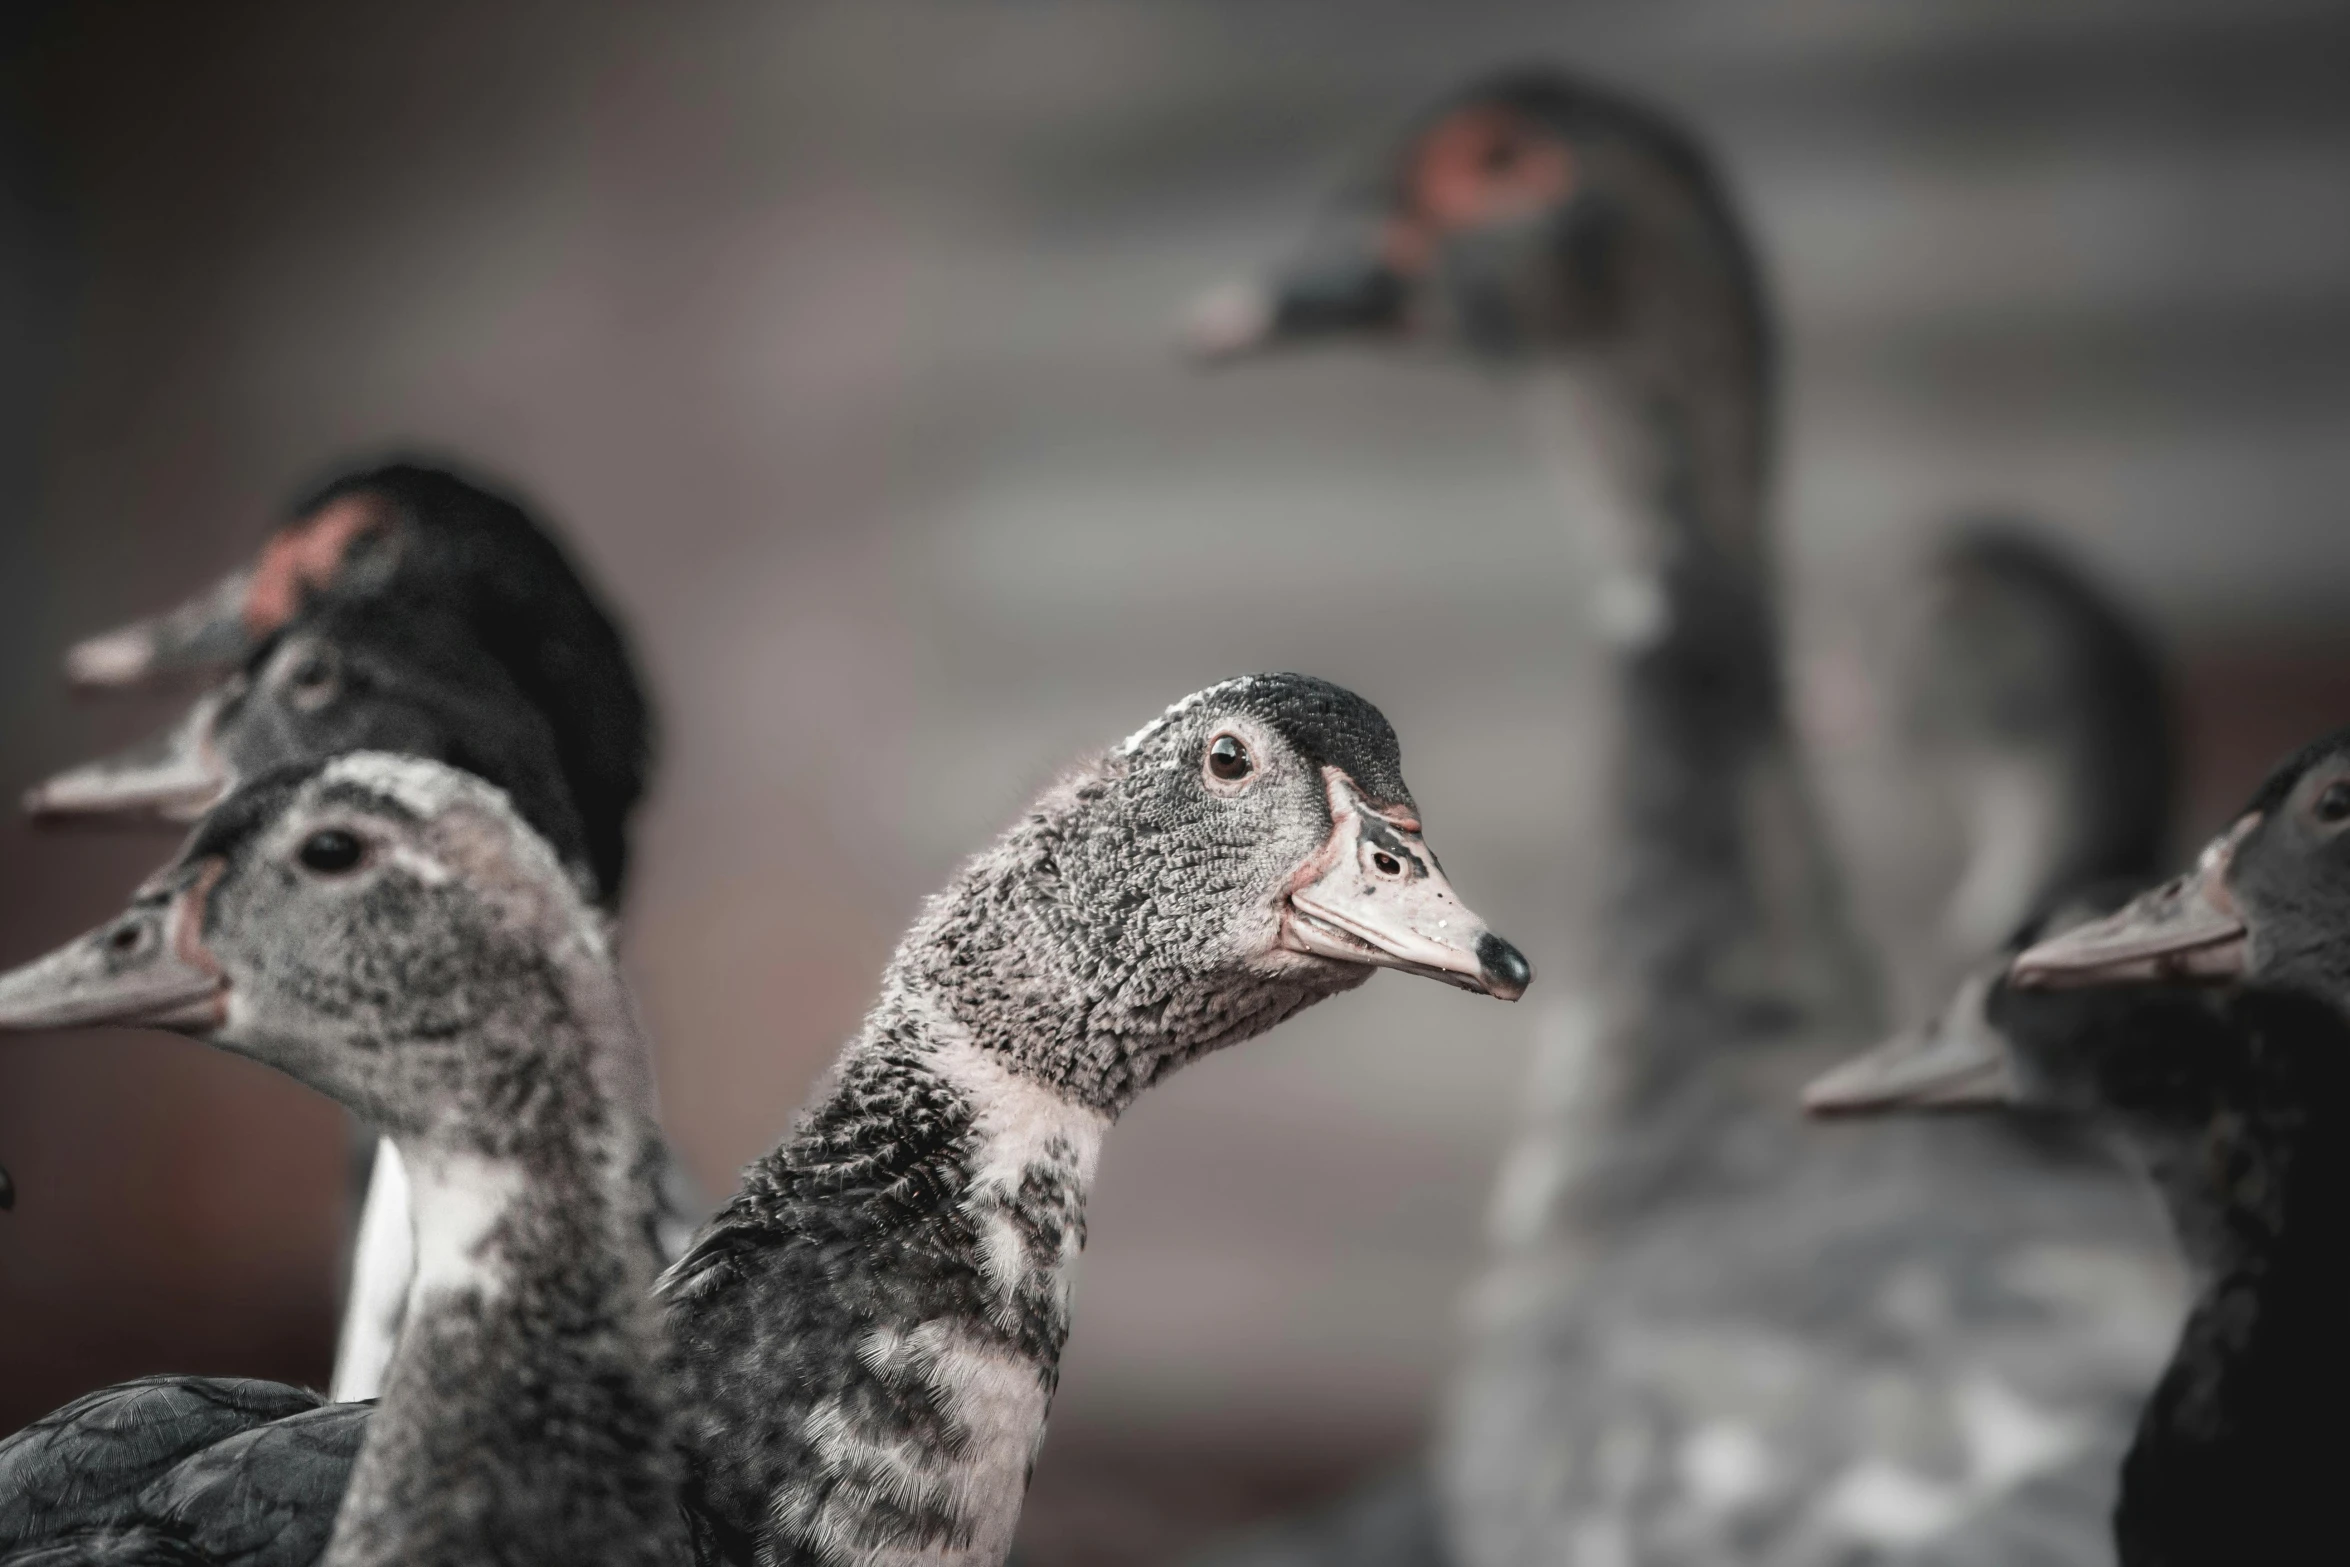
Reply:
x=1532, y=213
x=347, y=676
x=1247, y=854
x=1297, y=843
x=2267, y=900
x=2201, y=1086
x=383, y=580
x=383, y=928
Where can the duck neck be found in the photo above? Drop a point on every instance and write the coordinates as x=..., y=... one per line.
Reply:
x=1720, y=899
x=523, y=1415
x=2228, y=1463
x=871, y=1333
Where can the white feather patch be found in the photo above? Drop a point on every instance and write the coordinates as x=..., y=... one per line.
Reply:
x=1019, y=1125
x=382, y=1263
x=457, y=1201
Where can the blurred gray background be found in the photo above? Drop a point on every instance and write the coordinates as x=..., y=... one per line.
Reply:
x=838, y=336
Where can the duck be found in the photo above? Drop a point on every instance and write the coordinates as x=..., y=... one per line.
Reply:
x=401, y=608
x=2266, y=901
x=2041, y=705
x=2232, y=1104
x=390, y=932
x=1706, y=1333
x=409, y=534
x=865, y=1341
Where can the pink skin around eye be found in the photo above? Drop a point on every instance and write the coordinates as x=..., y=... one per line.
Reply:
x=304, y=556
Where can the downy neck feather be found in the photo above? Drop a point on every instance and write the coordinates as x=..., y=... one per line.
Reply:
x=523, y=1416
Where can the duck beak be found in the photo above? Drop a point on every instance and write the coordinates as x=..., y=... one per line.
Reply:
x=226, y=621
x=1333, y=295
x=1956, y=1062
x=146, y=969
x=175, y=777
x=1374, y=894
x=206, y=632
x=2185, y=929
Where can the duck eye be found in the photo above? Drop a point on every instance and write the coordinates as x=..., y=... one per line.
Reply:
x=330, y=851
x=1228, y=759
x=2332, y=805
x=313, y=680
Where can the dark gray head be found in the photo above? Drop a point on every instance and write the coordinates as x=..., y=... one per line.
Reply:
x=348, y=675
x=1531, y=213
x=385, y=929
x=2268, y=900
x=423, y=541
x=2042, y=707
x=2186, y=1077
x=1246, y=854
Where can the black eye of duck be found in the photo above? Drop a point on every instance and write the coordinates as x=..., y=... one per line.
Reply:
x=2332, y=805
x=1228, y=759
x=331, y=851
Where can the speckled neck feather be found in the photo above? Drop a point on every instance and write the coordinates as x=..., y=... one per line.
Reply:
x=523, y=1417
x=870, y=1333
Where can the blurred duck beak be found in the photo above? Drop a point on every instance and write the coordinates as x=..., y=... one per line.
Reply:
x=175, y=777
x=206, y=632
x=146, y=969
x=1374, y=894
x=2186, y=929
x=1956, y=1062
x=226, y=621
x=1333, y=296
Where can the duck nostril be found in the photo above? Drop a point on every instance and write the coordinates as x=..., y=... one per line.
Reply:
x=124, y=939
x=1388, y=864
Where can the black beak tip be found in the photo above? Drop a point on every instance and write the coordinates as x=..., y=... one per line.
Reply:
x=7, y=1193
x=1504, y=968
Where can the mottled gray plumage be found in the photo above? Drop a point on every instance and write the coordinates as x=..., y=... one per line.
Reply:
x=388, y=931
x=867, y=1339
x=1711, y=1333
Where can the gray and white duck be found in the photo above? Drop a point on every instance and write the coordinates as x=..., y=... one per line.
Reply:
x=867, y=1338
x=408, y=609
x=1708, y=1333
x=390, y=932
x=2233, y=1106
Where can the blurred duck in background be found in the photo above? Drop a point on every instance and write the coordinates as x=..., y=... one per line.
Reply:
x=2234, y=1107
x=1709, y=1334
x=868, y=1336
x=448, y=582
x=2041, y=710
x=401, y=608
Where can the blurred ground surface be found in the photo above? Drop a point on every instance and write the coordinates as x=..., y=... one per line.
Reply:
x=837, y=335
